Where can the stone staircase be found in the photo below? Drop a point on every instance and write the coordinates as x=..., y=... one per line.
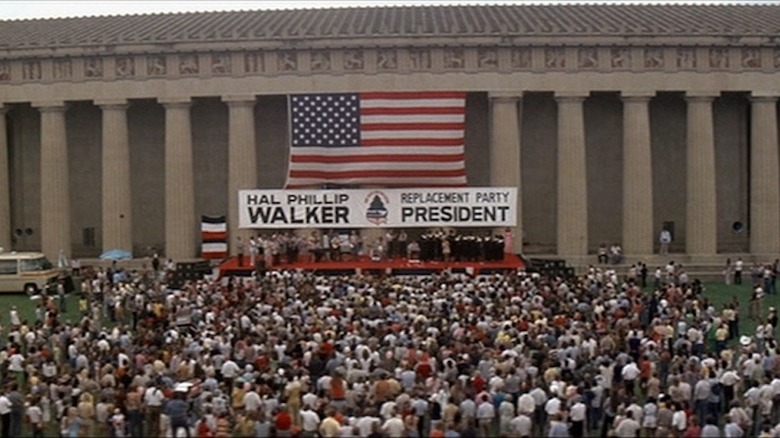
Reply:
x=705, y=268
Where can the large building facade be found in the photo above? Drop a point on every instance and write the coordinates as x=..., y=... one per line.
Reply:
x=614, y=121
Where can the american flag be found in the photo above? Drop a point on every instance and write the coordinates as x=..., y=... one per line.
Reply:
x=388, y=139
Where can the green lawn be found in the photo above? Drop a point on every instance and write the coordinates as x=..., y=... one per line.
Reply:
x=26, y=307
x=720, y=294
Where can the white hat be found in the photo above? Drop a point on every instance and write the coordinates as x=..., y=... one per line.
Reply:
x=745, y=340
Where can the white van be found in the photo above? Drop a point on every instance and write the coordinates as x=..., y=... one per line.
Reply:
x=28, y=272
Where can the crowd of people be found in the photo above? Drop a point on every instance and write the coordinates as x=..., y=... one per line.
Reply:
x=290, y=353
x=433, y=245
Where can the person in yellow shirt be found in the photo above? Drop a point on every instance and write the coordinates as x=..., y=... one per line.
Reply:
x=721, y=335
x=330, y=427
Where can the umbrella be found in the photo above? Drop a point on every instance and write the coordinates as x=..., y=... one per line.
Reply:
x=116, y=254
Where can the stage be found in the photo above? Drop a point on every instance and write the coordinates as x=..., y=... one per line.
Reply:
x=363, y=264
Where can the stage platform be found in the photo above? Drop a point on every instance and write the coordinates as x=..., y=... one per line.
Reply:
x=511, y=262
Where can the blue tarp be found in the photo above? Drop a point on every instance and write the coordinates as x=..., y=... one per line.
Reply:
x=116, y=254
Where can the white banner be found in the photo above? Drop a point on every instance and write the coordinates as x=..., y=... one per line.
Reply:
x=378, y=208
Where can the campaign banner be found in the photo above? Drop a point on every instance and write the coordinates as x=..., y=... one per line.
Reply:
x=378, y=208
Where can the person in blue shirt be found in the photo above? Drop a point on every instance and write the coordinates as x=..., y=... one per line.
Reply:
x=176, y=409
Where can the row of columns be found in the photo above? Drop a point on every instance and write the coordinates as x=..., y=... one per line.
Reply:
x=180, y=220
x=572, y=226
x=701, y=191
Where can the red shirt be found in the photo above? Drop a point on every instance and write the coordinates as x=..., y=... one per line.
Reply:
x=283, y=421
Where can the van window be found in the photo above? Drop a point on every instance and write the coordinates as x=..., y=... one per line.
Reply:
x=37, y=264
x=8, y=267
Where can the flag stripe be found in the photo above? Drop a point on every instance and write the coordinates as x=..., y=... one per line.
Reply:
x=389, y=150
x=411, y=134
x=213, y=228
x=381, y=158
x=413, y=142
x=417, y=128
x=214, y=237
x=394, y=181
x=407, y=166
x=454, y=112
x=215, y=246
x=218, y=236
x=384, y=138
x=377, y=173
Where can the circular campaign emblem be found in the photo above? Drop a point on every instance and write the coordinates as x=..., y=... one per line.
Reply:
x=377, y=210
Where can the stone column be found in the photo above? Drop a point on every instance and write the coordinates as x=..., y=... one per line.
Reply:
x=701, y=212
x=637, y=176
x=5, y=186
x=179, y=181
x=572, y=177
x=117, y=218
x=55, y=193
x=505, y=154
x=242, y=162
x=764, y=180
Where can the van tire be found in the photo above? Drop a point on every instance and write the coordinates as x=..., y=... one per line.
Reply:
x=30, y=289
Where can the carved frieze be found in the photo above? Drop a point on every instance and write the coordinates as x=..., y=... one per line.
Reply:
x=319, y=61
x=587, y=58
x=354, y=60
x=155, y=66
x=653, y=58
x=188, y=65
x=93, y=68
x=521, y=59
x=554, y=58
x=124, y=67
x=387, y=59
x=750, y=57
x=454, y=59
x=221, y=64
x=719, y=58
x=63, y=69
x=287, y=61
x=686, y=58
x=31, y=70
x=253, y=62
x=419, y=59
x=390, y=59
x=487, y=58
x=620, y=58
x=5, y=71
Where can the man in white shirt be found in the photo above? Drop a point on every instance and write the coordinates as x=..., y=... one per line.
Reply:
x=35, y=417
x=486, y=412
x=526, y=404
x=630, y=373
x=577, y=415
x=310, y=422
x=732, y=430
x=5, y=415
x=679, y=421
x=153, y=399
x=665, y=239
x=738, y=267
x=521, y=425
x=394, y=426
x=628, y=428
x=252, y=401
x=366, y=424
